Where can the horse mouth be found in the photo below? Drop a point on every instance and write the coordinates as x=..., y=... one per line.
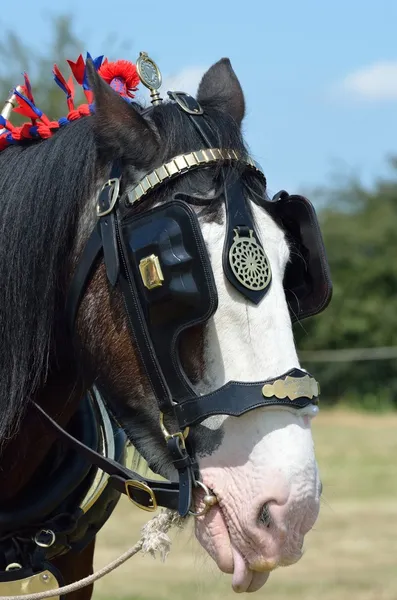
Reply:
x=213, y=533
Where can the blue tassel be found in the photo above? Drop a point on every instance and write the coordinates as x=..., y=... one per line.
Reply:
x=97, y=63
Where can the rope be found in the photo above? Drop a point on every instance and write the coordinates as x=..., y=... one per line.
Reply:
x=154, y=539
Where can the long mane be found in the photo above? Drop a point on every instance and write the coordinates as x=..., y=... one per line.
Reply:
x=42, y=189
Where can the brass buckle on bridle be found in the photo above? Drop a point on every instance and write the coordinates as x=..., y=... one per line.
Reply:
x=182, y=435
x=140, y=485
x=210, y=498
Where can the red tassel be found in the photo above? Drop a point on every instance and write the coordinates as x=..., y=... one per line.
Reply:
x=78, y=69
x=89, y=95
x=70, y=100
x=65, y=86
x=120, y=72
x=25, y=131
x=3, y=142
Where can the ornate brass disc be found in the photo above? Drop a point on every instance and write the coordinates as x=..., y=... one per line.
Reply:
x=150, y=76
x=249, y=262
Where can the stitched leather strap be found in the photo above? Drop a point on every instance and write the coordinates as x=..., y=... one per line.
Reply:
x=166, y=492
x=236, y=398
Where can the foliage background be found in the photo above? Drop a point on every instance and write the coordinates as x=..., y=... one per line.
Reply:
x=360, y=232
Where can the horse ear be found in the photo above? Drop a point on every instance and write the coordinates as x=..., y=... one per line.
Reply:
x=121, y=132
x=220, y=88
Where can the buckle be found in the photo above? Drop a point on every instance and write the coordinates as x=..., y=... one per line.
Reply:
x=140, y=485
x=168, y=436
x=183, y=99
x=115, y=197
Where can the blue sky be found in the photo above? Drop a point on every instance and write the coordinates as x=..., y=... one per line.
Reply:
x=320, y=78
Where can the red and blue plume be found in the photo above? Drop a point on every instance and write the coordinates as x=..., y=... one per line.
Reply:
x=78, y=69
x=66, y=86
x=28, y=109
x=28, y=88
x=122, y=76
x=86, y=86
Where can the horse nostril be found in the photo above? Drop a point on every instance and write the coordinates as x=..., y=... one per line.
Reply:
x=264, y=515
x=320, y=488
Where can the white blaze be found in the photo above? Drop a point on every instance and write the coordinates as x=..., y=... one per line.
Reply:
x=266, y=455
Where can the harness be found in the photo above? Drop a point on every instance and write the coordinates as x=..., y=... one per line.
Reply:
x=66, y=507
x=158, y=260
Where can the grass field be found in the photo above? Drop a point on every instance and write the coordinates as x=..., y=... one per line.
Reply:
x=351, y=554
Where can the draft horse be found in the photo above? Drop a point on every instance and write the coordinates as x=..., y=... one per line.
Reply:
x=149, y=286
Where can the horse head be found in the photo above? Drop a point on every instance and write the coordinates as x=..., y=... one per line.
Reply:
x=170, y=281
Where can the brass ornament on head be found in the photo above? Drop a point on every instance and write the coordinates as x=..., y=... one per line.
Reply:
x=150, y=76
x=151, y=272
x=249, y=262
x=292, y=388
x=9, y=106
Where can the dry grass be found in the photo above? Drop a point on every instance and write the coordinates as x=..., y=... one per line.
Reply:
x=351, y=554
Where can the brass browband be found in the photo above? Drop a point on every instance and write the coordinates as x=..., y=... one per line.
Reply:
x=183, y=163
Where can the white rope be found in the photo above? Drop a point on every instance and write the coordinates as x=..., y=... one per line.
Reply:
x=154, y=540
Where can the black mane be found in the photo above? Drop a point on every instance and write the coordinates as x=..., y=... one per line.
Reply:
x=43, y=187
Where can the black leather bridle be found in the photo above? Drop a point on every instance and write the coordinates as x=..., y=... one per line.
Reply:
x=174, y=394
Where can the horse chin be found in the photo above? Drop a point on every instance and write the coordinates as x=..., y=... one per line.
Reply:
x=213, y=535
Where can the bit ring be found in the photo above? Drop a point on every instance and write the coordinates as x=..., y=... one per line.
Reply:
x=209, y=500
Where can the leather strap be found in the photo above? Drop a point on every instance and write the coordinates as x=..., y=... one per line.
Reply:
x=239, y=217
x=183, y=463
x=82, y=275
x=192, y=108
x=236, y=398
x=166, y=492
x=107, y=224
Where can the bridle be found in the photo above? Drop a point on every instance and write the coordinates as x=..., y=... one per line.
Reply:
x=145, y=274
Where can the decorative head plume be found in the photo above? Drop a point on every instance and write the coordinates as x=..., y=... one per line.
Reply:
x=121, y=75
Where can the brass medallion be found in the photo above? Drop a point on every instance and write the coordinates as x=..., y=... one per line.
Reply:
x=249, y=262
x=150, y=76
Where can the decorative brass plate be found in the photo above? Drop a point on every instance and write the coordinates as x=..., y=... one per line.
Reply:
x=292, y=388
x=249, y=263
x=41, y=582
x=151, y=273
